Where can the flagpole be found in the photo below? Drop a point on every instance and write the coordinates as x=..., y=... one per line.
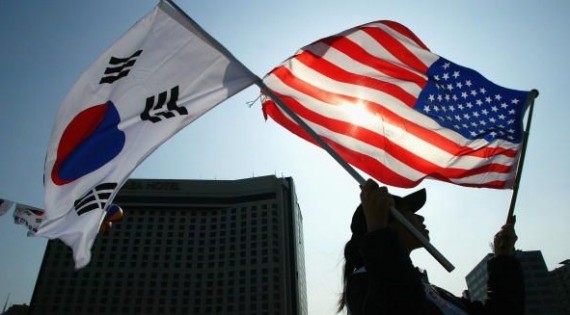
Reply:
x=193, y=26
x=530, y=100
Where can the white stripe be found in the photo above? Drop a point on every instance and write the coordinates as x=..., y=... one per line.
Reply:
x=374, y=48
x=485, y=178
x=426, y=57
x=351, y=65
x=323, y=82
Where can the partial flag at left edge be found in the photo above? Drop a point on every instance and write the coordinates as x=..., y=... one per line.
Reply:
x=157, y=78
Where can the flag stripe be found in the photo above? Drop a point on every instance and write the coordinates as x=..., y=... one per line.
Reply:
x=334, y=72
x=397, y=48
x=334, y=59
x=367, y=39
x=412, y=46
x=359, y=55
x=362, y=41
x=368, y=58
x=402, y=30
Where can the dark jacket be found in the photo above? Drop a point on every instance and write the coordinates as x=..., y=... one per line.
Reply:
x=392, y=285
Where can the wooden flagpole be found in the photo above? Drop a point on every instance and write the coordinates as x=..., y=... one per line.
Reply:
x=194, y=27
x=530, y=100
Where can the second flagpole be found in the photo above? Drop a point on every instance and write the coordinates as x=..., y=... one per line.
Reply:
x=510, y=216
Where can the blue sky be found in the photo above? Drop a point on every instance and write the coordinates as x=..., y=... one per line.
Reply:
x=518, y=44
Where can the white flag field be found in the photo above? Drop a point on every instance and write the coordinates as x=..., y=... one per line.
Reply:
x=153, y=81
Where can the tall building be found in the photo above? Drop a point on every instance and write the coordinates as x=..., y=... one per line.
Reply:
x=187, y=247
x=561, y=280
x=540, y=296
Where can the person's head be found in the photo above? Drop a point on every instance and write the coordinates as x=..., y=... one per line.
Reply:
x=408, y=206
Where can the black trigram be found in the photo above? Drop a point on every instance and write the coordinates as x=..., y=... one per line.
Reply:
x=96, y=198
x=119, y=67
x=155, y=111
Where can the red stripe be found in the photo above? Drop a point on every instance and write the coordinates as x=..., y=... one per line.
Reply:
x=338, y=74
x=387, y=68
x=397, y=49
x=368, y=164
x=391, y=118
x=404, y=31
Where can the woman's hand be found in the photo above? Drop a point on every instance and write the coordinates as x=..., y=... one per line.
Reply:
x=376, y=203
x=505, y=239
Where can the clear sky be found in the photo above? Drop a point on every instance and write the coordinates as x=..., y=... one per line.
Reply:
x=45, y=45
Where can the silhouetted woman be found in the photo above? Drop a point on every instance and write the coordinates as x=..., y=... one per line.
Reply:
x=379, y=277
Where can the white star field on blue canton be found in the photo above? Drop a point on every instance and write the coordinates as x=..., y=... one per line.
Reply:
x=461, y=99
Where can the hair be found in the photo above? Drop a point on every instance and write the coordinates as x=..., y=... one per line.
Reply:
x=352, y=260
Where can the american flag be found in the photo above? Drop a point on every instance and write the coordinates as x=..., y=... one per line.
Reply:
x=392, y=108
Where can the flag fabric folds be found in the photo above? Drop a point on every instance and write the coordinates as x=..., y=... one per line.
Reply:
x=156, y=79
x=392, y=108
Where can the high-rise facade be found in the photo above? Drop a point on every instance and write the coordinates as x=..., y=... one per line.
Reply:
x=187, y=247
x=540, y=297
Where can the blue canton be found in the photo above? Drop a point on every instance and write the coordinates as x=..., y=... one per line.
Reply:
x=461, y=99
